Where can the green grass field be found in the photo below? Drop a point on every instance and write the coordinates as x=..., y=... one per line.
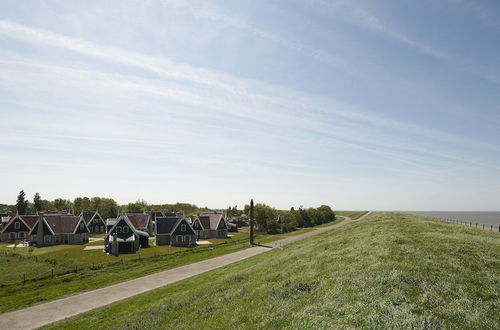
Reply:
x=77, y=270
x=387, y=271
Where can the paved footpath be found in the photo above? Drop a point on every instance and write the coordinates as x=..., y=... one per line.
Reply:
x=56, y=310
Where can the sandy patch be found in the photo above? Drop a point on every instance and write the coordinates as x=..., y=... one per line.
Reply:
x=19, y=245
x=94, y=247
x=203, y=242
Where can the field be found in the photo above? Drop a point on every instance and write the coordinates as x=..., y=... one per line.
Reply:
x=387, y=271
x=51, y=272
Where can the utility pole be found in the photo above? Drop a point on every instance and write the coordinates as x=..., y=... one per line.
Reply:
x=251, y=222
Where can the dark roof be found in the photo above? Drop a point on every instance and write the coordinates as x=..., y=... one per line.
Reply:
x=29, y=219
x=138, y=220
x=165, y=225
x=210, y=220
x=62, y=223
x=88, y=215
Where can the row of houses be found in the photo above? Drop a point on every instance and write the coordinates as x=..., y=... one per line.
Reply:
x=125, y=234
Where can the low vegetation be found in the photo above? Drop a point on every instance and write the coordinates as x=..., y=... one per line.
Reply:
x=51, y=272
x=387, y=271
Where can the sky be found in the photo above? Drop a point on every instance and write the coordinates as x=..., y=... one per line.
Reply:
x=378, y=105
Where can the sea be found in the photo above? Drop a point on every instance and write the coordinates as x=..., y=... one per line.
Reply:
x=487, y=218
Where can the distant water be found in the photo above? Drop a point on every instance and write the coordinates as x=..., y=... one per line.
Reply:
x=487, y=218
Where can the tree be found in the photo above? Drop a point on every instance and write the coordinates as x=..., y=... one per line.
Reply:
x=22, y=203
x=62, y=204
x=37, y=202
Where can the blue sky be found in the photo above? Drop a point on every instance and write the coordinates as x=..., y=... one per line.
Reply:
x=355, y=104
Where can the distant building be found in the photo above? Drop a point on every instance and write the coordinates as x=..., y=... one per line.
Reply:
x=94, y=221
x=123, y=236
x=175, y=231
x=17, y=227
x=55, y=229
x=211, y=225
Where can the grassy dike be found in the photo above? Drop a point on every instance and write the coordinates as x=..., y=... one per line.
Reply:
x=387, y=271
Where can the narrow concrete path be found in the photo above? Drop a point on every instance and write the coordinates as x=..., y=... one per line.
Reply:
x=53, y=311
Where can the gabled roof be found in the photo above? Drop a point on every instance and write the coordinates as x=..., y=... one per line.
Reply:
x=61, y=223
x=210, y=220
x=129, y=223
x=138, y=220
x=89, y=215
x=196, y=219
x=164, y=225
x=28, y=220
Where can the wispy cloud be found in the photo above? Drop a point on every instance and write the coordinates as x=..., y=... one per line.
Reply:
x=280, y=109
x=213, y=14
x=364, y=18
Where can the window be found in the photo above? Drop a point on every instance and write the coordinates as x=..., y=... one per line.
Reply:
x=125, y=229
x=17, y=225
x=33, y=238
x=187, y=238
x=179, y=239
x=183, y=227
x=47, y=238
x=118, y=230
x=20, y=234
x=96, y=220
x=82, y=226
x=57, y=239
x=12, y=235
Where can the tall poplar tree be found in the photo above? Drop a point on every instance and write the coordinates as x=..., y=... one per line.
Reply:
x=37, y=202
x=22, y=203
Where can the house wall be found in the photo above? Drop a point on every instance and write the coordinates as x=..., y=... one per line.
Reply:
x=59, y=239
x=162, y=239
x=183, y=240
x=4, y=237
x=215, y=233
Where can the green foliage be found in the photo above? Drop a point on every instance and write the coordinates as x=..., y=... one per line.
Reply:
x=22, y=203
x=273, y=221
x=62, y=204
x=37, y=203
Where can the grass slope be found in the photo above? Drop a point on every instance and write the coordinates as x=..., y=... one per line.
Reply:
x=76, y=270
x=387, y=271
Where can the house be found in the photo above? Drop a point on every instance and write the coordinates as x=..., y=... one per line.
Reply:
x=211, y=225
x=55, y=229
x=94, y=221
x=124, y=237
x=17, y=227
x=174, y=230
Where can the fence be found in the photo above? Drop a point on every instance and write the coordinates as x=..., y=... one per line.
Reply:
x=470, y=223
x=71, y=269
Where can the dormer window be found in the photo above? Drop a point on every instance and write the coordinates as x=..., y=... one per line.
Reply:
x=81, y=225
x=118, y=230
x=183, y=227
x=17, y=225
x=125, y=229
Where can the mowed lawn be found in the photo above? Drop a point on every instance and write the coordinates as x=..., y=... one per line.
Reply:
x=386, y=271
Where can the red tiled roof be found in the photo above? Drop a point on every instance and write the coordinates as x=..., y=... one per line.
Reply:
x=210, y=220
x=139, y=220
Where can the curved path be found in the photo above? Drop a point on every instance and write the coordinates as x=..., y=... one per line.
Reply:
x=56, y=310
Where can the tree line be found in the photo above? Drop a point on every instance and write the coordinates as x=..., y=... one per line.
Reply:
x=267, y=218
x=273, y=221
x=107, y=207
